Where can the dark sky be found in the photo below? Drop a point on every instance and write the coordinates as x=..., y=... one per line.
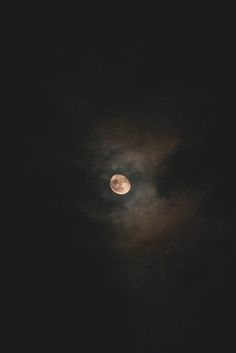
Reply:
x=152, y=271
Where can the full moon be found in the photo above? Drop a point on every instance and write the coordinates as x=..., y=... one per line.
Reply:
x=120, y=184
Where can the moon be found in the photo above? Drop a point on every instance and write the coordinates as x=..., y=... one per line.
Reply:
x=120, y=184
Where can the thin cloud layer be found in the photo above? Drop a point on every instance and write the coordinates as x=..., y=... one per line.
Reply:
x=142, y=153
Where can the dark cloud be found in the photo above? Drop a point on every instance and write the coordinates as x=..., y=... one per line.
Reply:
x=160, y=232
x=153, y=270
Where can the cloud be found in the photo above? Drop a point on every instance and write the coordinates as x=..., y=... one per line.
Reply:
x=141, y=152
x=160, y=217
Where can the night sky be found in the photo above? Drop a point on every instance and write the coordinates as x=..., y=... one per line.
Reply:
x=147, y=272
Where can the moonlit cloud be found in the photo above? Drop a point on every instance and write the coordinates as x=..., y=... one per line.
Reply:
x=145, y=218
x=141, y=152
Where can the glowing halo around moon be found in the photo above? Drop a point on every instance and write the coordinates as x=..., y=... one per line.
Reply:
x=120, y=184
